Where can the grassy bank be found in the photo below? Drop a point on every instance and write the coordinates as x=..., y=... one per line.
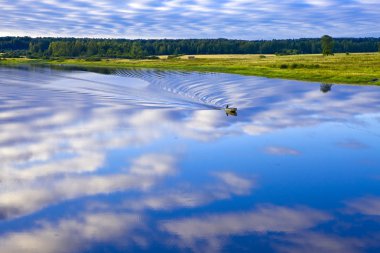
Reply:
x=340, y=68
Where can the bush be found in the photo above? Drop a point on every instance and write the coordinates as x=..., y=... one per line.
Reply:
x=93, y=59
x=288, y=52
x=262, y=56
x=283, y=66
x=313, y=66
x=14, y=54
x=297, y=65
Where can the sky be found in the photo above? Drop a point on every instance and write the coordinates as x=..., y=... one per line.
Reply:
x=233, y=19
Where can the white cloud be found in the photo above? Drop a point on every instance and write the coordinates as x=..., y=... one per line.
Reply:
x=238, y=185
x=319, y=3
x=228, y=185
x=73, y=235
x=318, y=242
x=62, y=143
x=365, y=206
x=18, y=200
x=264, y=219
x=281, y=151
x=212, y=229
x=180, y=18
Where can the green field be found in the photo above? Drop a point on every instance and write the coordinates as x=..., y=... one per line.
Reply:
x=361, y=68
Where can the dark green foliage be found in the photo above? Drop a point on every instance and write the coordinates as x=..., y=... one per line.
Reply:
x=14, y=54
x=288, y=52
x=14, y=43
x=313, y=66
x=298, y=66
x=142, y=49
x=327, y=43
x=93, y=58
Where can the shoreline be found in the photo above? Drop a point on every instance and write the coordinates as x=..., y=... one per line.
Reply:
x=359, y=68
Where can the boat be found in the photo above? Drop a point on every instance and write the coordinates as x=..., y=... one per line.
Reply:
x=230, y=110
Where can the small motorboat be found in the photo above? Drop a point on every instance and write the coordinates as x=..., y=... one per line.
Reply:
x=230, y=110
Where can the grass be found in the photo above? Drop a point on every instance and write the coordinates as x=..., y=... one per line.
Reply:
x=361, y=68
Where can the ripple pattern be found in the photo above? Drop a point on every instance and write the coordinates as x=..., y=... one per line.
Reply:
x=142, y=88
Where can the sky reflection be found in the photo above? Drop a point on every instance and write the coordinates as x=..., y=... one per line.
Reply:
x=141, y=160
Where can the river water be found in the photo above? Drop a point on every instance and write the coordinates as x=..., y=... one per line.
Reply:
x=146, y=161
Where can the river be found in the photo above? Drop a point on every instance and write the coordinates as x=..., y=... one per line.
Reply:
x=148, y=161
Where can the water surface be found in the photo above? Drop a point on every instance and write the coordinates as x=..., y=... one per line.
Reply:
x=145, y=161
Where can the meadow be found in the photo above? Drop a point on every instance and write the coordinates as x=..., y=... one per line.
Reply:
x=358, y=68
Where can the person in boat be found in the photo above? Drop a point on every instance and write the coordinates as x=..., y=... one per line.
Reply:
x=230, y=110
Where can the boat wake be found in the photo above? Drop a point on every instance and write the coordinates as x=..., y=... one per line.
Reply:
x=142, y=88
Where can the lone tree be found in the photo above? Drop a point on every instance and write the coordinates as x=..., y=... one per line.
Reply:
x=327, y=45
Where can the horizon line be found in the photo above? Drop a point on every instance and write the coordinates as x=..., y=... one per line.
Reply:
x=220, y=38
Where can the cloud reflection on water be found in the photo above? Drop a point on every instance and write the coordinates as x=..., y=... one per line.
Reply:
x=57, y=143
x=281, y=151
x=74, y=234
x=369, y=205
x=21, y=199
x=227, y=186
x=211, y=228
x=317, y=242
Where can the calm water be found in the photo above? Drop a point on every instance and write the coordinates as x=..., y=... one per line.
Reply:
x=144, y=161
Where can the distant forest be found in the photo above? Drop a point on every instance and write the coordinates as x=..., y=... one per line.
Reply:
x=123, y=48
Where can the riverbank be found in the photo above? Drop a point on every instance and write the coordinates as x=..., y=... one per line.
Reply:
x=361, y=68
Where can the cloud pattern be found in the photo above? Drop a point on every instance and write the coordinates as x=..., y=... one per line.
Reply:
x=243, y=19
x=67, y=130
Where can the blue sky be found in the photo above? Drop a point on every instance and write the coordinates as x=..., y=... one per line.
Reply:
x=238, y=19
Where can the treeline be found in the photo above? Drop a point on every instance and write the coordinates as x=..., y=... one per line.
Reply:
x=123, y=48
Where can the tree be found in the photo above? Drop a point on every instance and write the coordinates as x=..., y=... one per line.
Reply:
x=136, y=51
x=327, y=43
x=122, y=48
